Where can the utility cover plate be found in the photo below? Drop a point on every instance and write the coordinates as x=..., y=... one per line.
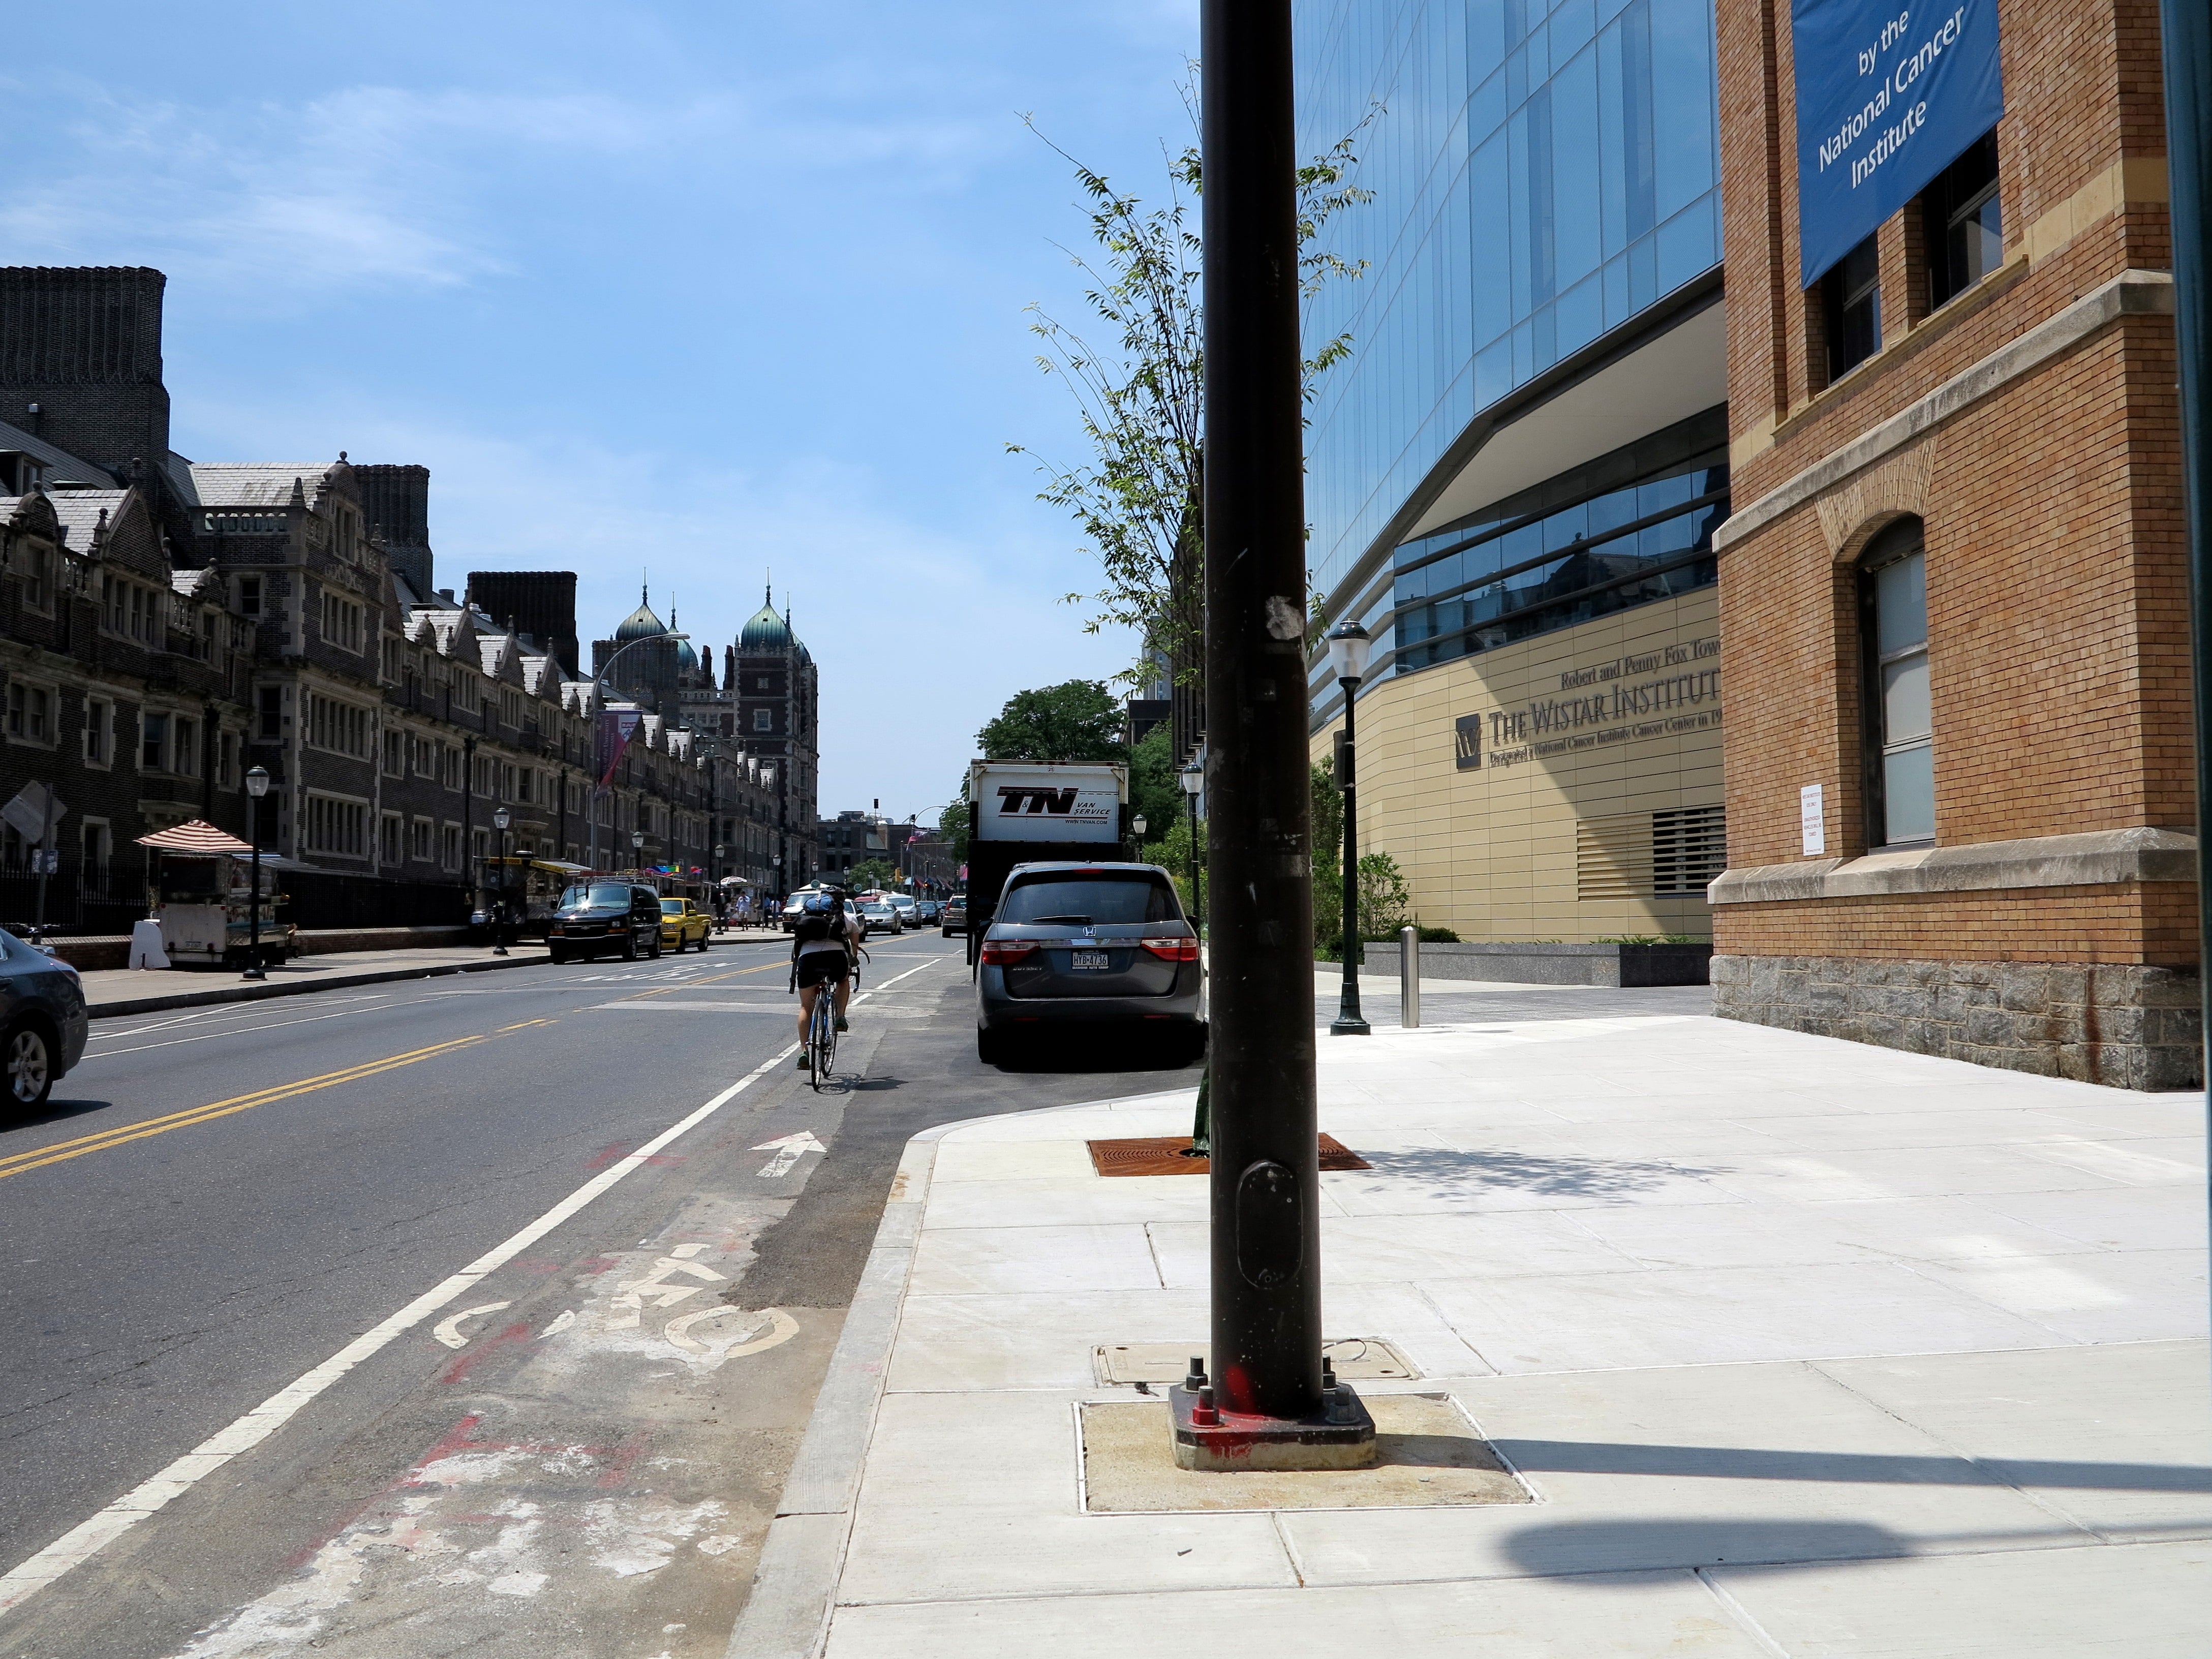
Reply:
x=1357, y=1359
x=1427, y=1456
x=1168, y=1155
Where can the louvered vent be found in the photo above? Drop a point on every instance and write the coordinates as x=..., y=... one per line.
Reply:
x=1649, y=854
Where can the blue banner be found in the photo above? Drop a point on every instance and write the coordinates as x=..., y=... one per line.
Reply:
x=1886, y=99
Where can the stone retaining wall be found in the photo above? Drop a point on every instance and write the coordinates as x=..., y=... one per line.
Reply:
x=1553, y=964
x=2129, y=1026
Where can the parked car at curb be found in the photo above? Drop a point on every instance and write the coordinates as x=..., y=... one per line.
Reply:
x=43, y=1024
x=683, y=924
x=1089, y=945
x=599, y=916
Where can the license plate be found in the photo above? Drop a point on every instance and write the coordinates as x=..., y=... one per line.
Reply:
x=1097, y=962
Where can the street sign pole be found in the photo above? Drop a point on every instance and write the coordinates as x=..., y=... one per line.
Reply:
x=2186, y=49
x=1265, y=1404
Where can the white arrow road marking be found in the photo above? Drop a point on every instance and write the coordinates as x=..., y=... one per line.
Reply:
x=765, y=1331
x=567, y=1319
x=789, y=1150
x=630, y=1303
x=448, y=1331
x=87, y=1538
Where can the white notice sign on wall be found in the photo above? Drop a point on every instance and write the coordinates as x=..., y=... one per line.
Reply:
x=1814, y=819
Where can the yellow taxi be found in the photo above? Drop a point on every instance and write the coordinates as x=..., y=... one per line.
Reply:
x=684, y=923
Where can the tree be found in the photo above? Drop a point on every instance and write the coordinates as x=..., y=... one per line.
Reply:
x=870, y=873
x=952, y=825
x=1076, y=721
x=1140, y=500
x=1155, y=791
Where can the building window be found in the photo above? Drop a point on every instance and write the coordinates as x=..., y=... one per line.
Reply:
x=419, y=839
x=38, y=576
x=153, y=742
x=1961, y=220
x=342, y=727
x=272, y=712
x=388, y=834
x=30, y=713
x=129, y=610
x=395, y=753
x=1850, y=304
x=763, y=719
x=184, y=748
x=226, y=759
x=1624, y=530
x=338, y=826
x=249, y=596
x=342, y=622
x=98, y=846
x=1899, y=710
x=99, y=732
x=449, y=846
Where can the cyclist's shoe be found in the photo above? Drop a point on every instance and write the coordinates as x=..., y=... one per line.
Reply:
x=802, y=1060
x=843, y=1026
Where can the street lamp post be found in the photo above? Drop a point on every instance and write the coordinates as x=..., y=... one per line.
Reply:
x=1269, y=1402
x=602, y=765
x=1348, y=646
x=1193, y=779
x=499, y=820
x=257, y=786
x=1137, y=827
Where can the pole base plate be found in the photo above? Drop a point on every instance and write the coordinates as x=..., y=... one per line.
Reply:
x=1340, y=1436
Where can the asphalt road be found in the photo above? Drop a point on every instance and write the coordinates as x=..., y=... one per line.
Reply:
x=579, y=1450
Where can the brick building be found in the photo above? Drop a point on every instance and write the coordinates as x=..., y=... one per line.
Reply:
x=1958, y=755
x=167, y=625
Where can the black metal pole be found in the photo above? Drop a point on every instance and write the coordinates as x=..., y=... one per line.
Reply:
x=1197, y=902
x=1265, y=1173
x=253, y=969
x=2185, y=28
x=1349, y=1021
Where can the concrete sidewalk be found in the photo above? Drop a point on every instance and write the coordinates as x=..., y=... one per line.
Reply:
x=1800, y=1347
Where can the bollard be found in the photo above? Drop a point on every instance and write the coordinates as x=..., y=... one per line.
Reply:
x=1409, y=978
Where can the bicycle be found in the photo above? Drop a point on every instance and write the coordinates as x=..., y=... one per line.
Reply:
x=822, y=1030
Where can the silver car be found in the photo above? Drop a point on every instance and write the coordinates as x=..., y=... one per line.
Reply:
x=881, y=918
x=1098, y=945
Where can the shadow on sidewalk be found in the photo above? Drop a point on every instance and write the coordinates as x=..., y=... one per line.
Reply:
x=1749, y=1463
x=1443, y=1171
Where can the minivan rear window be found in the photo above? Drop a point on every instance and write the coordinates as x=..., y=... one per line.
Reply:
x=1091, y=900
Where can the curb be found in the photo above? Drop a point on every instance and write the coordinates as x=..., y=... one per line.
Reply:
x=795, y=1585
x=259, y=993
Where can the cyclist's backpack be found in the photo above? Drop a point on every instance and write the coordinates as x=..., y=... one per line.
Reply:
x=821, y=919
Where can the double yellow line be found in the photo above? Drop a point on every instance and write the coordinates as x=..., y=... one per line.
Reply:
x=123, y=1132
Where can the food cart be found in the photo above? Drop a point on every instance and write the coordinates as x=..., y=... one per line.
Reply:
x=524, y=891
x=203, y=888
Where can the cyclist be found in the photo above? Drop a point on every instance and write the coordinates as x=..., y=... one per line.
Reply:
x=824, y=944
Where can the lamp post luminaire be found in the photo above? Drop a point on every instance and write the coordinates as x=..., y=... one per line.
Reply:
x=257, y=786
x=1192, y=779
x=499, y=820
x=1348, y=646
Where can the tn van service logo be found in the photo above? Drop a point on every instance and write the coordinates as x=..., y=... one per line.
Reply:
x=1035, y=799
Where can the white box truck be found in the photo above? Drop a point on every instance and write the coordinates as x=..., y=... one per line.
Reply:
x=1031, y=811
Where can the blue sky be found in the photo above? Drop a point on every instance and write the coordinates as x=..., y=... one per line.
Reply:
x=704, y=288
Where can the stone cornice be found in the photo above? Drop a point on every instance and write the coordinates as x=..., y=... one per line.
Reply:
x=2130, y=292
x=2098, y=859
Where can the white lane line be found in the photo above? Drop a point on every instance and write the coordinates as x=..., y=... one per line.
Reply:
x=229, y=1031
x=88, y=1538
x=203, y=1015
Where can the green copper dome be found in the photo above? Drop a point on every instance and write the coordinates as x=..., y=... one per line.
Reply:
x=766, y=631
x=639, y=624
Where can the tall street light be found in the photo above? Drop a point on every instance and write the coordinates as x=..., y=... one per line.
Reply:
x=499, y=820
x=1268, y=1403
x=1348, y=646
x=257, y=786
x=1192, y=779
x=600, y=769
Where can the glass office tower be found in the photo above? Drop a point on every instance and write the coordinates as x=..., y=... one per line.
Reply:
x=1528, y=438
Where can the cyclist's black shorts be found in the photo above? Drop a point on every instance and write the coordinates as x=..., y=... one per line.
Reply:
x=822, y=967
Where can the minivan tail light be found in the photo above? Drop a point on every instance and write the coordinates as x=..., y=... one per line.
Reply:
x=1173, y=950
x=999, y=951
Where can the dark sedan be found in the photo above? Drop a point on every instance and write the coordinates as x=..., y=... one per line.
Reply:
x=1094, y=945
x=43, y=1021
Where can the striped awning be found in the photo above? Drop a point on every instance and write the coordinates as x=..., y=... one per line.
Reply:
x=195, y=836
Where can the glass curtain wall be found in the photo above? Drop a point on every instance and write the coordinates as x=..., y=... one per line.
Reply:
x=1626, y=529
x=1542, y=173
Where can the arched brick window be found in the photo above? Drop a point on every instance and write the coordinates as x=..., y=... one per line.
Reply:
x=1899, y=712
